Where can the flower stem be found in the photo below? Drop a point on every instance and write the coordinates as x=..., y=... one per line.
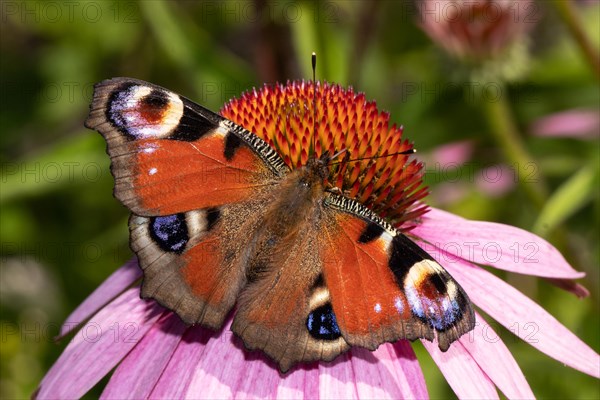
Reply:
x=505, y=131
x=570, y=17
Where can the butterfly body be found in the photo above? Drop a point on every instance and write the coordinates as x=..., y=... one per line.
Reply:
x=220, y=222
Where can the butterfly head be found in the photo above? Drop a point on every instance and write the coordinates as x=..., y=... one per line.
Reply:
x=317, y=169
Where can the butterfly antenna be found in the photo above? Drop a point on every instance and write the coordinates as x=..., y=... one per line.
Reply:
x=314, y=79
x=406, y=152
x=336, y=155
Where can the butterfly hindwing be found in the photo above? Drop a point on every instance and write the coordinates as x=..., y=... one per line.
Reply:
x=173, y=249
x=170, y=155
x=383, y=286
x=196, y=263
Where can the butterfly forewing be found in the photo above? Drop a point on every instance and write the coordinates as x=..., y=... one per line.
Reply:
x=170, y=155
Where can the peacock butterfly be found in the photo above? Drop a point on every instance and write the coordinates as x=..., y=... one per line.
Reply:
x=219, y=220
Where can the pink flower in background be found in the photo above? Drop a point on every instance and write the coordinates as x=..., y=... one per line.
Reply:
x=579, y=124
x=488, y=38
x=477, y=30
x=444, y=164
x=452, y=154
x=154, y=355
x=496, y=180
x=457, y=175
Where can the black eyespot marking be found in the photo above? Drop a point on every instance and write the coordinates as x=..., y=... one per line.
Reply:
x=150, y=109
x=192, y=125
x=321, y=323
x=319, y=282
x=372, y=231
x=156, y=99
x=405, y=253
x=232, y=143
x=170, y=233
x=212, y=216
x=439, y=282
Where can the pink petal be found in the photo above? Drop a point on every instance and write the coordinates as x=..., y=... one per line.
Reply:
x=137, y=374
x=524, y=317
x=390, y=372
x=217, y=372
x=114, y=285
x=100, y=344
x=175, y=379
x=452, y=155
x=496, y=361
x=300, y=383
x=501, y=246
x=206, y=366
x=572, y=123
x=495, y=180
x=403, y=361
x=336, y=379
x=570, y=286
x=258, y=372
x=450, y=192
x=461, y=371
x=396, y=371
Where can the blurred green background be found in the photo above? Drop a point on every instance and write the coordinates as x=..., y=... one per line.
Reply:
x=63, y=233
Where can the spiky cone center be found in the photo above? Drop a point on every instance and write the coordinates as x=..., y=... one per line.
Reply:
x=370, y=170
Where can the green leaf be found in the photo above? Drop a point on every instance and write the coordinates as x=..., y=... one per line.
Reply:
x=74, y=160
x=568, y=199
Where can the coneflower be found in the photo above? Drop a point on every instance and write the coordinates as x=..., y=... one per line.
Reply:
x=155, y=355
